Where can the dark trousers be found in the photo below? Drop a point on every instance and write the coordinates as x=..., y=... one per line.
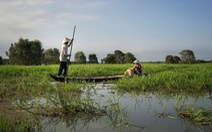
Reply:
x=63, y=66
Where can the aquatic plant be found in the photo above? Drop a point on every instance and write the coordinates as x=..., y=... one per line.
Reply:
x=17, y=123
x=174, y=78
x=200, y=116
x=31, y=89
x=64, y=103
x=186, y=109
x=165, y=76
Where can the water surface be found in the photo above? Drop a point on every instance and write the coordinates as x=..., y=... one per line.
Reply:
x=144, y=111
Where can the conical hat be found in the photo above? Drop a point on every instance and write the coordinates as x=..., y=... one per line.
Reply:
x=66, y=40
x=136, y=61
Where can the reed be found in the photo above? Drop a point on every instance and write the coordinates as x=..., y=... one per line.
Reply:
x=187, y=110
x=64, y=103
x=14, y=123
x=199, y=116
x=172, y=77
x=30, y=88
x=193, y=77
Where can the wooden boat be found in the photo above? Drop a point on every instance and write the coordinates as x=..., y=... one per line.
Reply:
x=86, y=78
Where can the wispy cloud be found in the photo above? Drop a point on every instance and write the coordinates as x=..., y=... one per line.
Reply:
x=22, y=14
x=28, y=17
x=27, y=14
x=137, y=23
x=91, y=4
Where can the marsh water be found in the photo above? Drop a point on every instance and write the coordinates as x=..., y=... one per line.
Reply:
x=144, y=111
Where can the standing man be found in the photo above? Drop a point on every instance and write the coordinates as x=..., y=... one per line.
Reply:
x=64, y=55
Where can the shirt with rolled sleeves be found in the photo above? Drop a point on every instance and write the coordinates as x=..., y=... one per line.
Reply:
x=64, y=53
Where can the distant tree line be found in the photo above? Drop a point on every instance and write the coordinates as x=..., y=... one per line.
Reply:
x=186, y=57
x=172, y=59
x=26, y=52
x=118, y=57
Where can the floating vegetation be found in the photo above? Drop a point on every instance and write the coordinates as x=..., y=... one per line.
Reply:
x=165, y=115
x=187, y=110
x=199, y=116
x=65, y=104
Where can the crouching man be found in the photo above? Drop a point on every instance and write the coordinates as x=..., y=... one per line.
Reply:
x=136, y=69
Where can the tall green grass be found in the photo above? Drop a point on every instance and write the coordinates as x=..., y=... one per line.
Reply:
x=16, y=123
x=171, y=77
x=24, y=83
x=166, y=76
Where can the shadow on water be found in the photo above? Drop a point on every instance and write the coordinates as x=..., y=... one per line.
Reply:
x=102, y=108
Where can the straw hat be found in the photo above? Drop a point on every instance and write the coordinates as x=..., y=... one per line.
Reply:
x=136, y=61
x=65, y=40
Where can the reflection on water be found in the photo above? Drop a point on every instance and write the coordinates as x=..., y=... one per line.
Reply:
x=146, y=111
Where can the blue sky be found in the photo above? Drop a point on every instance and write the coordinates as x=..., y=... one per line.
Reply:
x=150, y=29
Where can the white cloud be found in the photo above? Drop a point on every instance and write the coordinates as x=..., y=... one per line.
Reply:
x=43, y=20
x=100, y=27
x=32, y=14
x=22, y=14
x=88, y=4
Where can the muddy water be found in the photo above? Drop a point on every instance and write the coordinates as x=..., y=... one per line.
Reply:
x=145, y=112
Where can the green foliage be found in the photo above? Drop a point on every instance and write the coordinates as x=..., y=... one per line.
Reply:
x=118, y=58
x=171, y=77
x=159, y=76
x=169, y=59
x=15, y=123
x=200, y=116
x=110, y=59
x=32, y=83
x=187, y=56
x=25, y=52
x=1, y=60
x=129, y=57
x=92, y=58
x=80, y=57
x=97, y=69
x=186, y=109
x=176, y=59
x=51, y=56
x=172, y=59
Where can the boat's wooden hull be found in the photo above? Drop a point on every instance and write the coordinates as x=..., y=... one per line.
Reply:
x=86, y=78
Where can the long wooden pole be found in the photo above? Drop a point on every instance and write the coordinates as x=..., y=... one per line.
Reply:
x=71, y=49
